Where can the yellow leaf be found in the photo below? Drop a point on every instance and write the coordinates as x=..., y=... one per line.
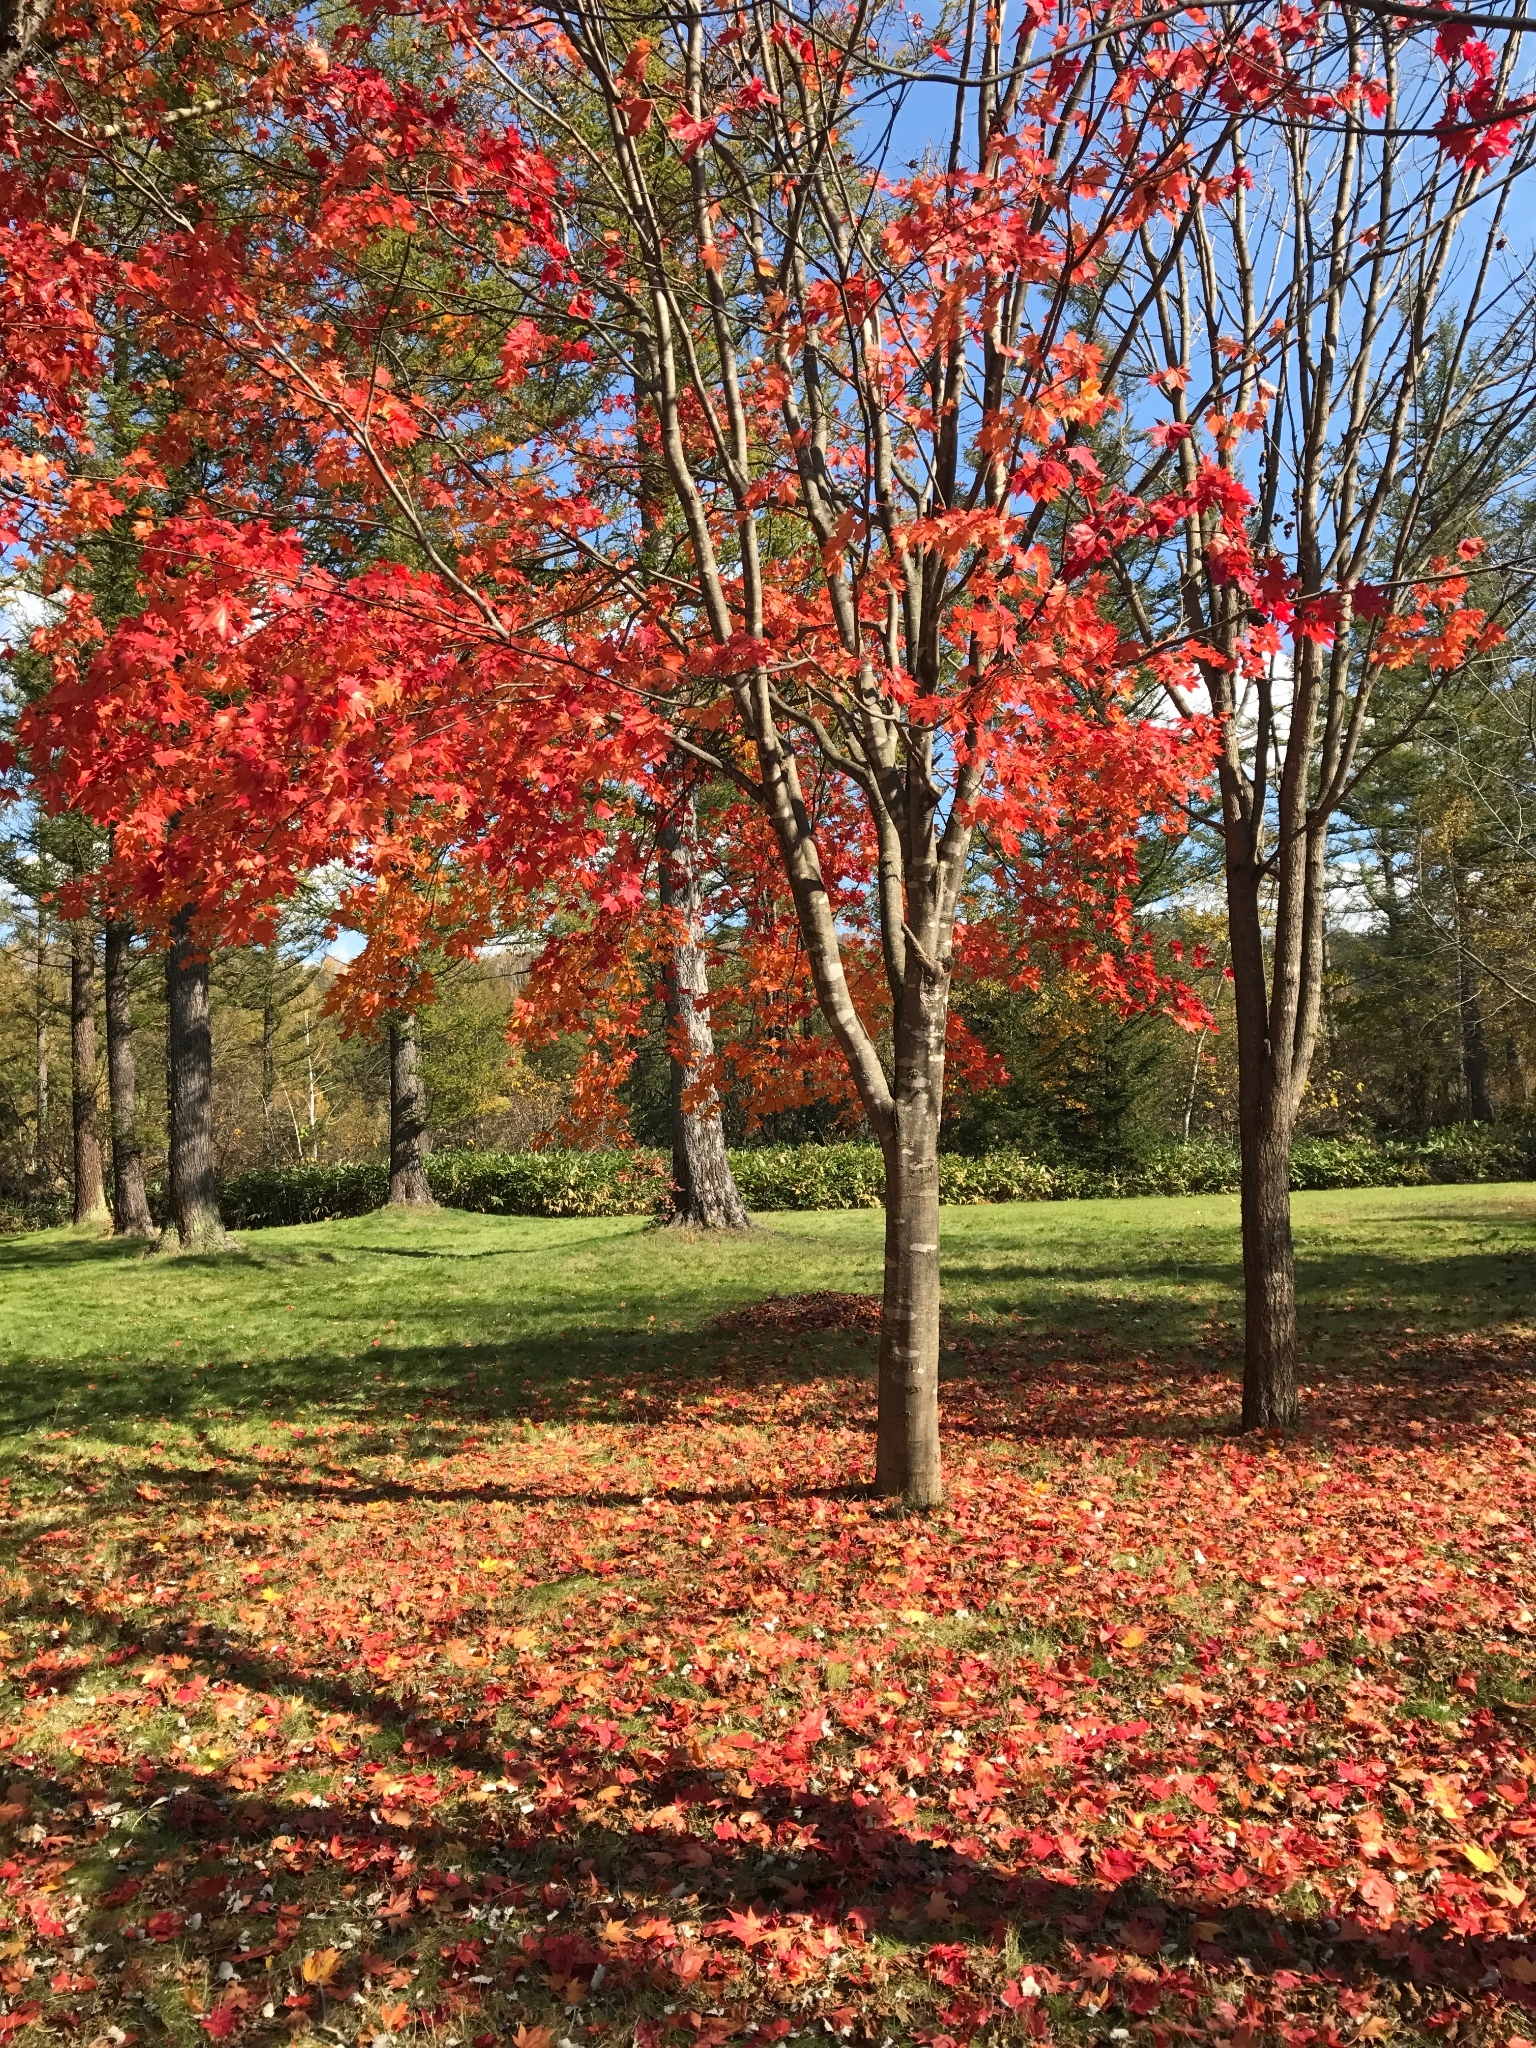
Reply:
x=1479, y=1857
x=269, y=1594
x=1132, y=1638
x=525, y=1639
x=321, y=1965
x=913, y=1614
x=1442, y=1796
x=611, y=1792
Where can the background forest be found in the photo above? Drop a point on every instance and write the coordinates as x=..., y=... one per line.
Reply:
x=1430, y=1010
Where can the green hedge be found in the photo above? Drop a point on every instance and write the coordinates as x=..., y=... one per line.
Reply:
x=33, y=1212
x=551, y=1183
x=491, y=1183
x=831, y=1177
x=269, y=1195
x=853, y=1177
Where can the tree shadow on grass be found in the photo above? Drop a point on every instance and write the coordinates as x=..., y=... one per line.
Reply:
x=572, y=1871
x=426, y=1405
x=31, y=1250
x=1145, y=1361
x=511, y=1251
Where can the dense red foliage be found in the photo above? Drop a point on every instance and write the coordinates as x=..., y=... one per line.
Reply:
x=279, y=695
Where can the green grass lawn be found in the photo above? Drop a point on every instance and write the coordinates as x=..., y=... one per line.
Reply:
x=376, y=1312
x=446, y=1634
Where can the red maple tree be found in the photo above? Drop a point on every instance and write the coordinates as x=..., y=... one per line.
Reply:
x=594, y=402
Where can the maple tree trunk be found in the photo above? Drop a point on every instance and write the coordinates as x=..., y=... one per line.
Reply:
x=907, y=1456
x=408, y=1187
x=90, y=1190
x=704, y=1191
x=1269, y=1274
x=130, y=1203
x=1265, y=1122
x=194, y=1187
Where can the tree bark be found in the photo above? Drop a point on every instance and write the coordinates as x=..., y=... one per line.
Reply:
x=408, y=1188
x=41, y=1161
x=21, y=34
x=1474, y=1044
x=704, y=1191
x=907, y=1454
x=1269, y=1273
x=90, y=1189
x=1266, y=1093
x=130, y=1203
x=194, y=1187
x=269, y=1058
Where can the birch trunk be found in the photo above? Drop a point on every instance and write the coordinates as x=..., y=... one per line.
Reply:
x=704, y=1191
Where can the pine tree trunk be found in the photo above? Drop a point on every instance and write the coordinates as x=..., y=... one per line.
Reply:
x=41, y=1162
x=269, y=1059
x=90, y=1190
x=907, y=1456
x=704, y=1191
x=1474, y=1045
x=130, y=1204
x=408, y=1188
x=194, y=1187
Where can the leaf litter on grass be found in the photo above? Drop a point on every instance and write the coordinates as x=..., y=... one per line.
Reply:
x=659, y=1729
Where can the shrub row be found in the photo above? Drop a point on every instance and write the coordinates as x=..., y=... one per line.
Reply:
x=847, y=1176
x=852, y=1176
x=32, y=1212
